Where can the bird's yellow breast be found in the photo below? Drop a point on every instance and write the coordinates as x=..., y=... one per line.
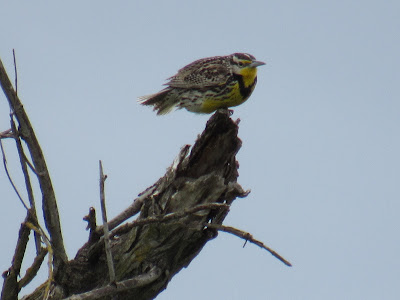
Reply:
x=233, y=96
x=249, y=75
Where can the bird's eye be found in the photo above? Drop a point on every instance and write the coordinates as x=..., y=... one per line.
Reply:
x=241, y=64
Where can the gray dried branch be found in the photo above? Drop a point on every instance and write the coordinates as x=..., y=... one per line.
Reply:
x=9, y=177
x=91, y=219
x=49, y=204
x=16, y=73
x=132, y=210
x=123, y=286
x=6, y=134
x=10, y=288
x=248, y=237
x=28, y=185
x=109, y=257
x=33, y=269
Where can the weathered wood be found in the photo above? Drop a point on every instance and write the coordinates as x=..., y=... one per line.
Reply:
x=207, y=175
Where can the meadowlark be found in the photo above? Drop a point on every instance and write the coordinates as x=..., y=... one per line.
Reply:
x=208, y=84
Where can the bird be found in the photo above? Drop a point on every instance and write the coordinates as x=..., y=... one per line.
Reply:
x=207, y=84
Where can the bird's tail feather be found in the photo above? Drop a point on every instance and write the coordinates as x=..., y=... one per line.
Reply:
x=163, y=102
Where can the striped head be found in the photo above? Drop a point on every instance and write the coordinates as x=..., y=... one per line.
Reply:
x=245, y=65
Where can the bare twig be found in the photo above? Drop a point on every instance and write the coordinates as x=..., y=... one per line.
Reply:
x=6, y=134
x=33, y=269
x=135, y=282
x=91, y=219
x=9, y=177
x=132, y=210
x=32, y=167
x=10, y=286
x=23, y=160
x=16, y=74
x=49, y=248
x=49, y=204
x=135, y=207
x=23, y=238
x=110, y=263
x=248, y=237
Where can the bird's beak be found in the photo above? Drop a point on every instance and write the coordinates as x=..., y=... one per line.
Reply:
x=256, y=63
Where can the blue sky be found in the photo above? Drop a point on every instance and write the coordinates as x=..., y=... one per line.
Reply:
x=320, y=133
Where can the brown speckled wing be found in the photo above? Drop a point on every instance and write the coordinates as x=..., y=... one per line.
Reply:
x=202, y=73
